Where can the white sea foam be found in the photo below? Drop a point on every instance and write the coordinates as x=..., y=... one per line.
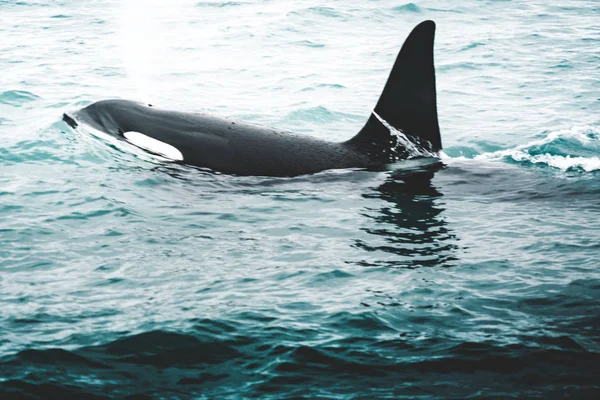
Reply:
x=563, y=162
x=535, y=152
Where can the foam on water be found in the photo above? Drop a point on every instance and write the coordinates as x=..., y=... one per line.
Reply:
x=552, y=150
x=571, y=149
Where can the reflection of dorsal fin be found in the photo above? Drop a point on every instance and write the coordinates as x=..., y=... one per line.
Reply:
x=408, y=100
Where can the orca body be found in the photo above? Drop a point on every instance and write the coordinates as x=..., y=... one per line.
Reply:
x=407, y=103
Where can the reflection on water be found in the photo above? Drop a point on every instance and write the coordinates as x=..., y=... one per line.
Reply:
x=409, y=225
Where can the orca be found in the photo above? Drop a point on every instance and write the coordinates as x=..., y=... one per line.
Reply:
x=406, y=109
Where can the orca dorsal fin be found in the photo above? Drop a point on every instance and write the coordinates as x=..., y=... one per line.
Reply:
x=408, y=100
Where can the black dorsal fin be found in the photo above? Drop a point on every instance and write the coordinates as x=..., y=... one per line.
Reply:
x=408, y=100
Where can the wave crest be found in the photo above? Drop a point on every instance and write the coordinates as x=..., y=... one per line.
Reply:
x=571, y=149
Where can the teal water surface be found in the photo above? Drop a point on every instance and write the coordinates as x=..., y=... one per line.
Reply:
x=122, y=276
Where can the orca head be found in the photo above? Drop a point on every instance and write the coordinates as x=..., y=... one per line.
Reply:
x=128, y=120
x=112, y=116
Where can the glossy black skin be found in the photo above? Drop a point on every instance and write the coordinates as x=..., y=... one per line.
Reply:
x=408, y=103
x=222, y=144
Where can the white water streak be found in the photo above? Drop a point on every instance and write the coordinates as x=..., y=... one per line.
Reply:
x=413, y=149
x=585, y=135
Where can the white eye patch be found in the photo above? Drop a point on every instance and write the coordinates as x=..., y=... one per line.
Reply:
x=154, y=146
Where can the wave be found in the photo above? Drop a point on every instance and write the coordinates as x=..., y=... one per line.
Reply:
x=252, y=354
x=408, y=8
x=573, y=149
x=17, y=97
x=226, y=363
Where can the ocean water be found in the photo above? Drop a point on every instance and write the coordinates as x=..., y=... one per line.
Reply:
x=122, y=276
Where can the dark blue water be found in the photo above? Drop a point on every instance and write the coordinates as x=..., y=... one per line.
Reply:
x=122, y=276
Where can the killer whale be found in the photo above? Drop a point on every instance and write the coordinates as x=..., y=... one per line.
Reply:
x=408, y=104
